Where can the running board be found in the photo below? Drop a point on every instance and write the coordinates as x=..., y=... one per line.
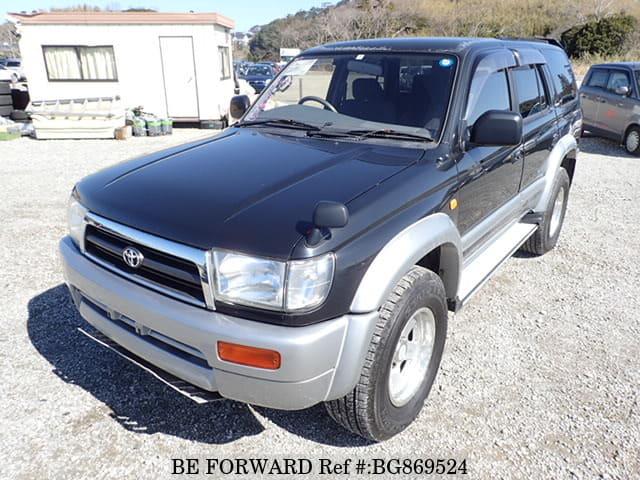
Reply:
x=486, y=263
x=190, y=391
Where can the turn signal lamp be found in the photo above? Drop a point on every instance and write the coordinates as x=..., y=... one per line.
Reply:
x=250, y=356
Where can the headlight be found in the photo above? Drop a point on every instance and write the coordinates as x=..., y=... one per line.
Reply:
x=260, y=282
x=248, y=280
x=75, y=219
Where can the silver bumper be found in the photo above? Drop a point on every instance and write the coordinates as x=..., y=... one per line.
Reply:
x=319, y=362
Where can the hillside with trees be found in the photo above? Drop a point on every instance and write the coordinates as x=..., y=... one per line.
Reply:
x=588, y=28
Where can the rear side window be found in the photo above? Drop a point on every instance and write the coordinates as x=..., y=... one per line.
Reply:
x=618, y=78
x=531, y=95
x=562, y=76
x=638, y=78
x=598, y=78
x=492, y=95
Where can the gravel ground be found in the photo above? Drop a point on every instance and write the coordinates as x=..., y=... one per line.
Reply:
x=540, y=377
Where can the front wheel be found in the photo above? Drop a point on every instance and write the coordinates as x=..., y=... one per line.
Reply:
x=402, y=360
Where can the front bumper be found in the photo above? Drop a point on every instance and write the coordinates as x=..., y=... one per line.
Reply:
x=319, y=362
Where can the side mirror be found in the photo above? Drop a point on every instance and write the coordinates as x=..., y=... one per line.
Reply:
x=239, y=105
x=326, y=215
x=330, y=214
x=497, y=128
x=623, y=90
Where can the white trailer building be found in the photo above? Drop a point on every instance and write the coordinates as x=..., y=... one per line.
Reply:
x=175, y=65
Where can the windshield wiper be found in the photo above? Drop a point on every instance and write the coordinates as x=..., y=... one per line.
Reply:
x=390, y=133
x=280, y=122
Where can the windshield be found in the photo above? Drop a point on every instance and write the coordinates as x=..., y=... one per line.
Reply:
x=401, y=92
x=259, y=70
x=13, y=64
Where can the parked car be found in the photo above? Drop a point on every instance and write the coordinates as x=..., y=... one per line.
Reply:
x=610, y=97
x=8, y=75
x=240, y=67
x=275, y=65
x=259, y=76
x=15, y=64
x=311, y=253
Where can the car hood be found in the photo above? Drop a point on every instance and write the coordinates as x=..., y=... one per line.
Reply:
x=253, y=78
x=246, y=190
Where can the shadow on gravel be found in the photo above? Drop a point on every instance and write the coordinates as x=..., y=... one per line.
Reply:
x=138, y=401
x=142, y=404
x=313, y=424
x=602, y=146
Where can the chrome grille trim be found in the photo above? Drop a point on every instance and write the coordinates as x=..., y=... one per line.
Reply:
x=194, y=255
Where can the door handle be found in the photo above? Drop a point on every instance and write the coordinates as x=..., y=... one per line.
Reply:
x=516, y=156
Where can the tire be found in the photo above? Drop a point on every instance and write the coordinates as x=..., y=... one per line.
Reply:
x=546, y=236
x=393, y=386
x=632, y=141
x=5, y=88
x=19, y=116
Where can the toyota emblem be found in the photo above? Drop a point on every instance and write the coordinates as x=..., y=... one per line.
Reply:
x=132, y=257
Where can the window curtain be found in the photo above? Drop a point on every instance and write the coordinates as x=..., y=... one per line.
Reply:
x=62, y=63
x=98, y=63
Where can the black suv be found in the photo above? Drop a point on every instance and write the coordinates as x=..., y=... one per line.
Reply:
x=311, y=252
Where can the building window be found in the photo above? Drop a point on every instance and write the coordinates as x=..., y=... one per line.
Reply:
x=78, y=63
x=225, y=67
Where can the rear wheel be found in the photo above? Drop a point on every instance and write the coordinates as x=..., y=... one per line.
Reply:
x=402, y=360
x=546, y=236
x=632, y=141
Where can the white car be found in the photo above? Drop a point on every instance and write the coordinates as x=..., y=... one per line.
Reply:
x=8, y=75
x=15, y=64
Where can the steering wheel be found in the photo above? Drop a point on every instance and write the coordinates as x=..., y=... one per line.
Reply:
x=321, y=101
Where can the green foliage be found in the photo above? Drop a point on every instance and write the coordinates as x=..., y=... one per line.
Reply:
x=603, y=37
x=602, y=27
x=265, y=45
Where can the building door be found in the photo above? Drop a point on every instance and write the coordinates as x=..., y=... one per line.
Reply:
x=178, y=70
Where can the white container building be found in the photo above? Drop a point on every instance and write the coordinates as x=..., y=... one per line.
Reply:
x=175, y=65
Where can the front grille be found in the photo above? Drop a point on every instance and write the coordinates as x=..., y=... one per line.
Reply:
x=164, y=271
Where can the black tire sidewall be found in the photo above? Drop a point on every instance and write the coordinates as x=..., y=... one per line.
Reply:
x=389, y=418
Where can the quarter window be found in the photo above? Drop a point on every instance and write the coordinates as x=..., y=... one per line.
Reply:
x=561, y=75
x=531, y=95
x=493, y=94
x=80, y=63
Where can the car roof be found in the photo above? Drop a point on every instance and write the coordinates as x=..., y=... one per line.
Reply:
x=459, y=46
x=632, y=65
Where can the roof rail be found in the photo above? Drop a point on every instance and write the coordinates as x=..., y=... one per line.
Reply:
x=550, y=41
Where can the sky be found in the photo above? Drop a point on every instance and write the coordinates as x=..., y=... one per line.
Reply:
x=246, y=13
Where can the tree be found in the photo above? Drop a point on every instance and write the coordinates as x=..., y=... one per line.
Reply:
x=602, y=37
x=8, y=41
